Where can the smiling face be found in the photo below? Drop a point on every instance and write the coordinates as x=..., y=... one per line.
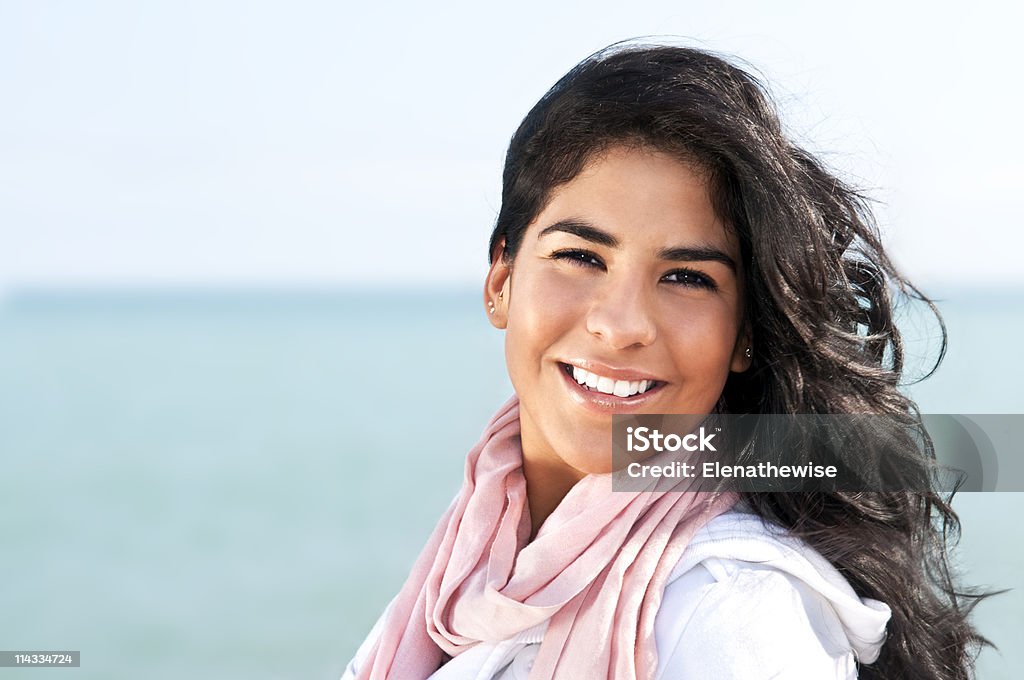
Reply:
x=625, y=297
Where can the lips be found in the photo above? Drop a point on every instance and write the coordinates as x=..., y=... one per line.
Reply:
x=609, y=390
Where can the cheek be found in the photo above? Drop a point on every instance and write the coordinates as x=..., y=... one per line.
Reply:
x=551, y=292
x=544, y=308
x=539, y=315
x=701, y=338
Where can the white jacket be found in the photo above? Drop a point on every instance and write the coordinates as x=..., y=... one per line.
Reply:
x=746, y=602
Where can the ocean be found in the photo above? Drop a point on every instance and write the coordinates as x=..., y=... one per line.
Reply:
x=224, y=485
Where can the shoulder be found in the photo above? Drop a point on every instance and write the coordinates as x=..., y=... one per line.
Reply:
x=749, y=601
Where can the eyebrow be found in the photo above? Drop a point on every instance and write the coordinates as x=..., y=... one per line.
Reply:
x=585, y=230
x=589, y=232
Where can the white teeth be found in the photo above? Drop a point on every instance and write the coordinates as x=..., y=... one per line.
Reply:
x=620, y=388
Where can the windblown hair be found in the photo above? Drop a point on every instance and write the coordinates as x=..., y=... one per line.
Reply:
x=819, y=298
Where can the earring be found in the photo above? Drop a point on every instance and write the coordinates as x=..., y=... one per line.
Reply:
x=749, y=353
x=490, y=306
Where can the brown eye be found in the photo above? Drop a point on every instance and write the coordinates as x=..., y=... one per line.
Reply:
x=690, y=278
x=583, y=258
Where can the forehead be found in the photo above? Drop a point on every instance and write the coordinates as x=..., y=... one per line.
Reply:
x=642, y=196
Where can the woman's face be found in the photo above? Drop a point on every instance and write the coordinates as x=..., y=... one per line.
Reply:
x=625, y=297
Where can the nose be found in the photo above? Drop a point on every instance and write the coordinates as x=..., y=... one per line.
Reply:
x=622, y=316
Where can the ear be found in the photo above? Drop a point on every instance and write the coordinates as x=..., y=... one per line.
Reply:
x=740, y=361
x=497, y=287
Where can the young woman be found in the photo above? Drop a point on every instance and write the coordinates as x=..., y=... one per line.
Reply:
x=662, y=247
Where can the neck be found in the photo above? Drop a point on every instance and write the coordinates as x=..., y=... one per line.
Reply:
x=547, y=483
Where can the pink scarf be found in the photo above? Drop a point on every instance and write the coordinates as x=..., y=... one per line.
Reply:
x=596, y=571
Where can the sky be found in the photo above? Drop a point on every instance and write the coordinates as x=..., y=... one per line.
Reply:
x=220, y=143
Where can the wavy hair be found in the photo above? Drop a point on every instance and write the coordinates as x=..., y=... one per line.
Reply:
x=820, y=294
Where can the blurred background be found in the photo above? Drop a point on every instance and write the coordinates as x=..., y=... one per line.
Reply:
x=243, y=351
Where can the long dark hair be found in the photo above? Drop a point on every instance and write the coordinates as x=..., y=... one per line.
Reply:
x=819, y=297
